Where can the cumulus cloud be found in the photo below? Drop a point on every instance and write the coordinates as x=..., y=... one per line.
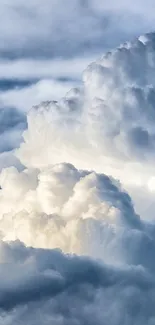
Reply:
x=77, y=211
x=111, y=117
x=63, y=207
x=15, y=100
x=48, y=205
x=39, y=43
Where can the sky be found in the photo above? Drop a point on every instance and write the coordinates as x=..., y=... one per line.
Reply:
x=77, y=151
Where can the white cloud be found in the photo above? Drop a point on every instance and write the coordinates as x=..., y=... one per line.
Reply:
x=62, y=207
x=39, y=42
x=77, y=211
x=14, y=104
x=111, y=117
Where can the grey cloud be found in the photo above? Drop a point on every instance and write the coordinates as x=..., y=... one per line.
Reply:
x=11, y=118
x=52, y=29
x=12, y=124
x=47, y=286
x=6, y=83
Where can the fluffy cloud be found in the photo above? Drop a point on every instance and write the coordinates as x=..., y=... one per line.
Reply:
x=65, y=208
x=15, y=101
x=107, y=125
x=41, y=42
x=110, y=117
x=77, y=211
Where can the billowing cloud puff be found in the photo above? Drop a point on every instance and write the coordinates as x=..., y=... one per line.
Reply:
x=77, y=211
x=39, y=43
x=15, y=100
x=63, y=207
x=107, y=124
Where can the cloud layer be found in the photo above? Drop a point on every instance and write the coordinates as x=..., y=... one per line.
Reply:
x=46, y=286
x=37, y=30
